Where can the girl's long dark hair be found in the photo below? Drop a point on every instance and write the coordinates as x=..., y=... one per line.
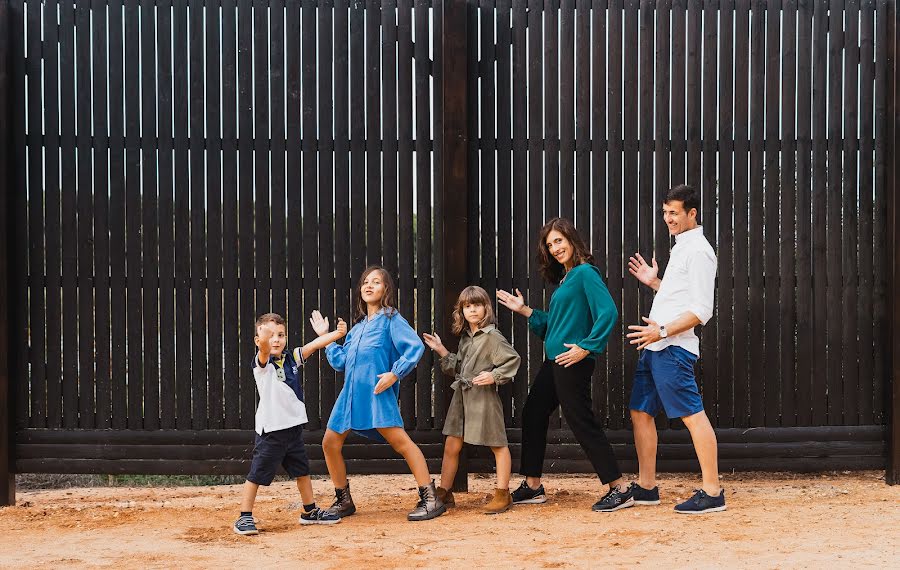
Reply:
x=551, y=270
x=360, y=309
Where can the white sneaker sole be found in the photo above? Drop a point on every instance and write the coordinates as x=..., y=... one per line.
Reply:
x=534, y=501
x=245, y=532
x=712, y=510
x=656, y=502
x=302, y=521
x=625, y=505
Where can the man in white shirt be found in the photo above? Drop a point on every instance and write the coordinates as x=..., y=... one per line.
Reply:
x=664, y=379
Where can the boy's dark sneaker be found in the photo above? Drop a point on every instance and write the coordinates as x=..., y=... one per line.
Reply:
x=614, y=500
x=245, y=525
x=644, y=496
x=701, y=503
x=525, y=495
x=319, y=516
x=343, y=503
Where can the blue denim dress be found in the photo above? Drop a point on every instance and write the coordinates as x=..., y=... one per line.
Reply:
x=375, y=345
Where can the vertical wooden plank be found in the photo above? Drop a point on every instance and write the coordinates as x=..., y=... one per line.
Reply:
x=755, y=233
x=892, y=474
x=8, y=332
x=520, y=188
x=248, y=267
x=118, y=386
x=883, y=105
x=630, y=308
x=230, y=322
x=68, y=219
x=617, y=349
x=679, y=118
x=582, y=116
x=487, y=120
x=38, y=191
x=296, y=253
x=647, y=206
x=85, y=225
x=505, y=195
x=850, y=218
x=262, y=222
x=473, y=111
x=405, y=189
x=99, y=42
x=199, y=359
x=818, y=204
x=342, y=171
x=327, y=241
x=180, y=94
x=724, y=372
x=423, y=200
x=389, y=135
x=534, y=295
x=551, y=115
x=788, y=242
x=865, y=303
x=442, y=395
x=804, y=277
x=310, y=201
x=694, y=91
x=567, y=112
x=357, y=139
x=167, y=323
x=709, y=192
x=833, y=214
x=278, y=183
x=214, y=201
x=771, y=231
x=149, y=143
x=373, y=132
x=741, y=212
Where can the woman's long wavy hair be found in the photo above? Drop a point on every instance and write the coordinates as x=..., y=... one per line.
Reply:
x=360, y=310
x=551, y=270
x=472, y=295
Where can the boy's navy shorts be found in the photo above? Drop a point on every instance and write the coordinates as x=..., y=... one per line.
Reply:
x=283, y=447
x=664, y=380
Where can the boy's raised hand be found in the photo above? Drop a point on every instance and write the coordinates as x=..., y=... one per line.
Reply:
x=342, y=327
x=266, y=331
x=319, y=323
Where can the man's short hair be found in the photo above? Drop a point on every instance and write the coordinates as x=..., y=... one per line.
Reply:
x=686, y=195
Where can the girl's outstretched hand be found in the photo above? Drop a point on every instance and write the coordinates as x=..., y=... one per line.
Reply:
x=385, y=381
x=319, y=323
x=433, y=341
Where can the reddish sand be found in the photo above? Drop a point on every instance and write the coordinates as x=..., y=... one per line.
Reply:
x=773, y=520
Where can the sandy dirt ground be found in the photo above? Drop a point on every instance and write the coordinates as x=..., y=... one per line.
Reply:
x=833, y=520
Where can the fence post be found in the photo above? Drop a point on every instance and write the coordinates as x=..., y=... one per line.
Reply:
x=7, y=475
x=454, y=169
x=893, y=213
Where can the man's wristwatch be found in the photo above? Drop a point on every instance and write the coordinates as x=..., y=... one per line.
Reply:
x=663, y=333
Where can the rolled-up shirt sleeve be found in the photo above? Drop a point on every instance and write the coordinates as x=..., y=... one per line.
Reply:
x=701, y=271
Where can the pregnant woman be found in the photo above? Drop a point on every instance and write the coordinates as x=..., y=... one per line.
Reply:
x=574, y=330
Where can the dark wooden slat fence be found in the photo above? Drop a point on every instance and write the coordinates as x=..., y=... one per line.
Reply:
x=172, y=170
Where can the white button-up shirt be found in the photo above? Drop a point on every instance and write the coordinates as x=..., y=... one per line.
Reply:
x=279, y=407
x=688, y=285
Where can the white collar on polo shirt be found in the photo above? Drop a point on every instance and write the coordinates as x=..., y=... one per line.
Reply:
x=689, y=235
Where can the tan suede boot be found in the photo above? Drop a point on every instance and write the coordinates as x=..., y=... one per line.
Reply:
x=500, y=503
x=446, y=497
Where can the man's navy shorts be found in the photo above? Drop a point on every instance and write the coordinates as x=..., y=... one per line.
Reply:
x=665, y=379
x=283, y=447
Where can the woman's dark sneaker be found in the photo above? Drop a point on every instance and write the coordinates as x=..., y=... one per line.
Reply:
x=645, y=496
x=429, y=506
x=525, y=495
x=245, y=525
x=343, y=503
x=319, y=516
x=614, y=500
x=701, y=503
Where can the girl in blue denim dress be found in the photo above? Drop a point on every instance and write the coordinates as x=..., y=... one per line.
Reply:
x=379, y=350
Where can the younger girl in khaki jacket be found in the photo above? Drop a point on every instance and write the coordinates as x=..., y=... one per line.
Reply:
x=484, y=361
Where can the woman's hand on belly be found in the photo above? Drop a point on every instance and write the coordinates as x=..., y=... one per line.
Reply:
x=385, y=381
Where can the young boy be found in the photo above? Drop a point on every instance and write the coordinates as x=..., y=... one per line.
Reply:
x=281, y=414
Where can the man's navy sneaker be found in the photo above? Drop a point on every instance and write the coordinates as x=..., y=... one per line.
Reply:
x=525, y=495
x=645, y=496
x=701, y=503
x=245, y=525
x=614, y=500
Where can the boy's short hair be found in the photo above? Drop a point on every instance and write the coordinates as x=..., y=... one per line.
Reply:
x=686, y=195
x=269, y=318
